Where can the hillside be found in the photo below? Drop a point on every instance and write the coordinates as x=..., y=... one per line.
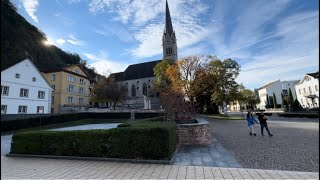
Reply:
x=19, y=38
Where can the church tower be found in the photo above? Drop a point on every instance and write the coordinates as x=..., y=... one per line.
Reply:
x=169, y=41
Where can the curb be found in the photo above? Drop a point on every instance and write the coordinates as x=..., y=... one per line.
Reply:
x=170, y=162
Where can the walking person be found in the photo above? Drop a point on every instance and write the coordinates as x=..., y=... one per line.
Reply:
x=263, y=123
x=251, y=120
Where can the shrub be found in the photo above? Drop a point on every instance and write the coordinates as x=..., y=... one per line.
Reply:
x=61, y=118
x=141, y=140
x=308, y=115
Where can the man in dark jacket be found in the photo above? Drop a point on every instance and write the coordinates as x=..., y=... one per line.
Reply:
x=263, y=123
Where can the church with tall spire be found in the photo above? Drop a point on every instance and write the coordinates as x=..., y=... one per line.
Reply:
x=138, y=78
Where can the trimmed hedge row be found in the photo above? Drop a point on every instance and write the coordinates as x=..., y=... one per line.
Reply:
x=308, y=115
x=144, y=140
x=61, y=118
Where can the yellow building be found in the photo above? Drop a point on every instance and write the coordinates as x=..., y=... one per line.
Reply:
x=70, y=88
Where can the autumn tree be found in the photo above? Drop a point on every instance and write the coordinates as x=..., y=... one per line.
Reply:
x=107, y=90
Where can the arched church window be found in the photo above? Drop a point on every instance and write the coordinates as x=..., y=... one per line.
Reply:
x=144, y=89
x=133, y=90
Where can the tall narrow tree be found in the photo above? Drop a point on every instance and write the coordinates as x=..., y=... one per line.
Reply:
x=290, y=100
x=274, y=101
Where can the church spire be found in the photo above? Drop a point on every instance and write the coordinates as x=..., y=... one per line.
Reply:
x=168, y=25
x=169, y=41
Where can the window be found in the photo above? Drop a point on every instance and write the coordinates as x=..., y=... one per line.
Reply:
x=3, y=109
x=17, y=75
x=81, y=90
x=22, y=109
x=40, y=109
x=71, y=88
x=41, y=94
x=53, y=86
x=285, y=92
x=316, y=87
x=70, y=99
x=53, y=77
x=77, y=71
x=144, y=89
x=4, y=90
x=304, y=90
x=71, y=78
x=24, y=92
x=52, y=99
x=80, y=100
x=34, y=79
x=82, y=81
x=133, y=90
x=310, y=90
x=299, y=91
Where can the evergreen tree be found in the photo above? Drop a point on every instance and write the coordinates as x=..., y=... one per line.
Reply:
x=282, y=103
x=290, y=100
x=274, y=101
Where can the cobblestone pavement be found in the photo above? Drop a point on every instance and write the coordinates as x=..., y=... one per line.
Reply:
x=294, y=146
x=214, y=155
x=40, y=168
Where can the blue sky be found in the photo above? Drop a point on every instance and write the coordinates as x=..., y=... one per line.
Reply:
x=270, y=39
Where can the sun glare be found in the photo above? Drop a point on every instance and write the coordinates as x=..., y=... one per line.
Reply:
x=47, y=42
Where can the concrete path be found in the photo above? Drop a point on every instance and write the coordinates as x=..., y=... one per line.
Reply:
x=40, y=168
x=214, y=155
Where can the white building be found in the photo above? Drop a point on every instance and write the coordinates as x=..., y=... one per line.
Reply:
x=24, y=90
x=277, y=87
x=308, y=90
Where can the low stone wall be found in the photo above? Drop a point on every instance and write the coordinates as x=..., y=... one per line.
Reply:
x=196, y=134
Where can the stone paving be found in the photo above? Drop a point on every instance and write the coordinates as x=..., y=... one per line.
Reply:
x=41, y=168
x=214, y=155
x=294, y=146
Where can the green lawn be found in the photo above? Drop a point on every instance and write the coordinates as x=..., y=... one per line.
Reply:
x=68, y=124
x=222, y=116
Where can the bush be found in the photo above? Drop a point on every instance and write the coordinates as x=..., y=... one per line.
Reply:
x=141, y=140
x=308, y=115
x=62, y=118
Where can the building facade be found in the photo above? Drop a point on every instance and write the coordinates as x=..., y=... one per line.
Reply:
x=138, y=78
x=24, y=90
x=71, y=88
x=307, y=90
x=277, y=87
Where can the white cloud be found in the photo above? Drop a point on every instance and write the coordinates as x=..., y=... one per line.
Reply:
x=31, y=7
x=147, y=19
x=73, y=40
x=103, y=65
x=60, y=41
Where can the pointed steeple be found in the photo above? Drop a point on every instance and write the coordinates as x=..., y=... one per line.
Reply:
x=168, y=26
x=169, y=41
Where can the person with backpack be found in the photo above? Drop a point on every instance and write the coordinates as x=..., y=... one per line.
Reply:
x=263, y=123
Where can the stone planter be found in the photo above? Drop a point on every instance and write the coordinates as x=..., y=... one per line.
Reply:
x=194, y=134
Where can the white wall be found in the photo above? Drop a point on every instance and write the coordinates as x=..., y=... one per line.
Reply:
x=27, y=71
x=275, y=88
x=304, y=84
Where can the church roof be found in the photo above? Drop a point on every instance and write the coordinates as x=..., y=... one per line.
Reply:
x=168, y=24
x=137, y=71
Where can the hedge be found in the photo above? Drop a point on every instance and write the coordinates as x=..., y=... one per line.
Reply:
x=308, y=115
x=61, y=118
x=147, y=140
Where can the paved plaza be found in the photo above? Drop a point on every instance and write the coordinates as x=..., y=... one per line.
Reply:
x=294, y=146
x=40, y=168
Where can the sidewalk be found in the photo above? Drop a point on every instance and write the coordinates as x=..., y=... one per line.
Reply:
x=40, y=168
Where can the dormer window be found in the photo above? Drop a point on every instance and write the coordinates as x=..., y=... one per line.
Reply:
x=17, y=75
